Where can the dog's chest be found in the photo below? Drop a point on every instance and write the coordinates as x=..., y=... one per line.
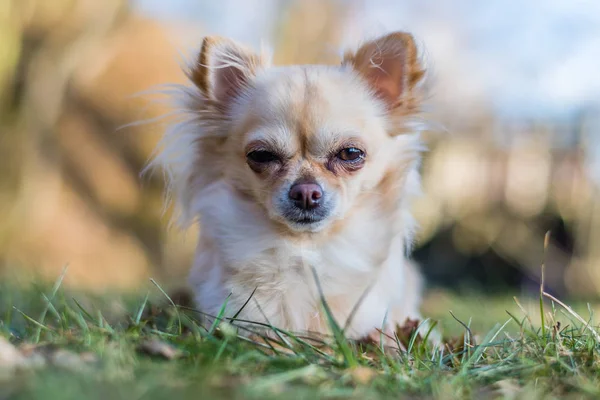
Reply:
x=291, y=280
x=301, y=272
x=341, y=263
x=288, y=277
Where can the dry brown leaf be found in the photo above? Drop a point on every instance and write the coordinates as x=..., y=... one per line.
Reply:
x=405, y=332
x=158, y=348
x=275, y=346
x=362, y=375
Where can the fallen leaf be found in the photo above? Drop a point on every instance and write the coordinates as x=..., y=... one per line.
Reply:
x=508, y=388
x=405, y=332
x=274, y=345
x=362, y=375
x=66, y=359
x=158, y=348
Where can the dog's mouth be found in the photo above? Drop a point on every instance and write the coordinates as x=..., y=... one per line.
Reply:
x=305, y=220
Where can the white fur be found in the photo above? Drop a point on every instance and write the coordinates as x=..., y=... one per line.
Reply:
x=287, y=291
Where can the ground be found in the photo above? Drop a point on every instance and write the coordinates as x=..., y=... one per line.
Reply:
x=60, y=344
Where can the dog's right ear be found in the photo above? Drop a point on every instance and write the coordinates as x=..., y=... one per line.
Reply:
x=224, y=68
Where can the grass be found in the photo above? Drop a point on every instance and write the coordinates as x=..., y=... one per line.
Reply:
x=148, y=348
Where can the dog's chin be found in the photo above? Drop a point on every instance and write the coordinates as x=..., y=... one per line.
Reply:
x=306, y=224
x=301, y=222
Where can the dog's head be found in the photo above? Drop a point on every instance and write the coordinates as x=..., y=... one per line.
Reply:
x=304, y=142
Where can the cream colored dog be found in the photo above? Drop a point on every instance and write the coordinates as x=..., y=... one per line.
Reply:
x=301, y=178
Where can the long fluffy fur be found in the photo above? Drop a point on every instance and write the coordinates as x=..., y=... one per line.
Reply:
x=193, y=160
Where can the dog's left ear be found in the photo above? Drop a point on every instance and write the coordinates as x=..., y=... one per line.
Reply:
x=224, y=69
x=391, y=67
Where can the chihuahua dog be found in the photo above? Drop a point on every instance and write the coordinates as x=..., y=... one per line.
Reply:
x=301, y=178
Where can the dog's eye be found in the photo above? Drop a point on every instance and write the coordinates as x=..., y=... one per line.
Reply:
x=351, y=154
x=262, y=156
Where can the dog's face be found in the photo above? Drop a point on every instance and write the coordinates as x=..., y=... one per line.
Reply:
x=306, y=142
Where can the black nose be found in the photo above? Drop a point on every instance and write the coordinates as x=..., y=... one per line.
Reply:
x=306, y=195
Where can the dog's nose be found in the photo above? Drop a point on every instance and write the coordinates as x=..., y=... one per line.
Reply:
x=306, y=195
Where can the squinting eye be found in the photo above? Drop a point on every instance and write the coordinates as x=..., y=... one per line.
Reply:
x=351, y=154
x=262, y=156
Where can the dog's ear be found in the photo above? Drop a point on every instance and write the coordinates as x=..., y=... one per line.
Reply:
x=391, y=67
x=224, y=68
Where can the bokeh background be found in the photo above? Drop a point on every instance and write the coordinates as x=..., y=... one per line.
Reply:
x=514, y=144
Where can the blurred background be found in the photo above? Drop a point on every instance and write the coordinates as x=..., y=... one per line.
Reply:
x=516, y=96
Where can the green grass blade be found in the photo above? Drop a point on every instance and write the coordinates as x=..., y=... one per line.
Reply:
x=219, y=316
x=57, y=284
